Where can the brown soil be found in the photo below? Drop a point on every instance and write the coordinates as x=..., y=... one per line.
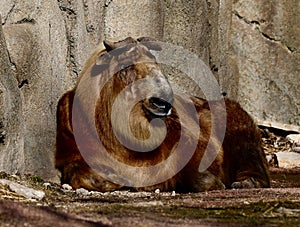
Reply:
x=276, y=206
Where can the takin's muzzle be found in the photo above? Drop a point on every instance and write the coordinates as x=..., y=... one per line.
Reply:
x=158, y=107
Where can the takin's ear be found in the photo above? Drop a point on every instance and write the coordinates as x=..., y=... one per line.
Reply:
x=150, y=43
x=109, y=45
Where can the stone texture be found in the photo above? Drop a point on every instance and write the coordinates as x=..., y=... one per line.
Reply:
x=22, y=190
x=47, y=45
x=186, y=24
x=83, y=25
x=11, y=119
x=35, y=42
x=294, y=139
x=288, y=159
x=264, y=50
x=123, y=18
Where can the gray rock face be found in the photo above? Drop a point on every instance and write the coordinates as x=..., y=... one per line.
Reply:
x=11, y=118
x=252, y=48
x=264, y=51
x=288, y=159
x=35, y=46
x=124, y=18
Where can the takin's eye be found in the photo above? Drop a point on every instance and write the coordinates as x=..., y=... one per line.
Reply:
x=123, y=66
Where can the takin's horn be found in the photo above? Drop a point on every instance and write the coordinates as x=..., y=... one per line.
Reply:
x=109, y=45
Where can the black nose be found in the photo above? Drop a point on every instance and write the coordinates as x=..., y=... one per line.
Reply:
x=160, y=105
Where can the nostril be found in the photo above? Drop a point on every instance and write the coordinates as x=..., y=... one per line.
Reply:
x=160, y=103
x=157, y=102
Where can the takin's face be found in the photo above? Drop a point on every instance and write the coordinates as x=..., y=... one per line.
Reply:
x=135, y=94
x=155, y=90
x=138, y=78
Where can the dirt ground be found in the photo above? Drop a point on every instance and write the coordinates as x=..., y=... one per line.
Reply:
x=275, y=206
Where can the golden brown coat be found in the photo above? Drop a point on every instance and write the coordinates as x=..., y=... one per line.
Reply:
x=239, y=163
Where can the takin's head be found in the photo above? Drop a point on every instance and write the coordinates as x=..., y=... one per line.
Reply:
x=136, y=75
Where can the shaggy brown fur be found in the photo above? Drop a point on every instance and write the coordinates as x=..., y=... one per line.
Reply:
x=239, y=163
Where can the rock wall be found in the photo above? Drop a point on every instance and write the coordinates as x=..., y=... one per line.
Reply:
x=252, y=48
x=11, y=118
x=264, y=59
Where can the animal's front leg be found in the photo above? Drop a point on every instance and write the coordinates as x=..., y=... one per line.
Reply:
x=248, y=181
x=208, y=181
x=202, y=181
x=80, y=175
x=251, y=168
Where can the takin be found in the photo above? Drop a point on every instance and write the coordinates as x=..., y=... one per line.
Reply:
x=122, y=127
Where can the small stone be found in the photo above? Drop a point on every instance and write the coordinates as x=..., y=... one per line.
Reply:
x=82, y=191
x=67, y=187
x=296, y=149
x=294, y=138
x=23, y=190
x=173, y=193
x=246, y=203
x=287, y=212
x=149, y=204
x=105, y=221
x=47, y=185
x=288, y=159
x=157, y=191
x=15, y=176
x=95, y=193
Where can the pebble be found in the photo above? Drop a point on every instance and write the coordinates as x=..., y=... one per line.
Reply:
x=149, y=204
x=15, y=176
x=82, y=191
x=288, y=159
x=67, y=187
x=23, y=190
x=173, y=193
x=296, y=149
x=95, y=193
x=157, y=191
x=294, y=138
x=288, y=212
x=47, y=185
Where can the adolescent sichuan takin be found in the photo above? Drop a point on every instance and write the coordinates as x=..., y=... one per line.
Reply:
x=123, y=127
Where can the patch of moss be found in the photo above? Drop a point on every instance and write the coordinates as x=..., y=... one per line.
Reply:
x=36, y=180
x=254, y=214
